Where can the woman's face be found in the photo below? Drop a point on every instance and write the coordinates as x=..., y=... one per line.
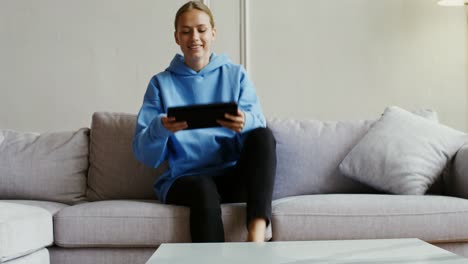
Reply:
x=194, y=35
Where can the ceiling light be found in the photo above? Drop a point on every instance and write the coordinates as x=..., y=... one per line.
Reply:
x=452, y=2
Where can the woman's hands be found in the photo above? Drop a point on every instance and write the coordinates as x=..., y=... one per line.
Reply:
x=172, y=125
x=234, y=122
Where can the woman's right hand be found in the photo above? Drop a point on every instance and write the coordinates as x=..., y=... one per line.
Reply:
x=172, y=125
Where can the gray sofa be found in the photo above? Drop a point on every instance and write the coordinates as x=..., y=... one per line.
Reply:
x=81, y=197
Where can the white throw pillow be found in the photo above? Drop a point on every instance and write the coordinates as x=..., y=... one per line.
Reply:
x=402, y=153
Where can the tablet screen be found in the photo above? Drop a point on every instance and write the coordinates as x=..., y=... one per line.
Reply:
x=202, y=115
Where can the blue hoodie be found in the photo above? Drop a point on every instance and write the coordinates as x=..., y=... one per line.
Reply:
x=207, y=151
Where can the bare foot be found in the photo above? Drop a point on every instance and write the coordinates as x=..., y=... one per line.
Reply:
x=257, y=228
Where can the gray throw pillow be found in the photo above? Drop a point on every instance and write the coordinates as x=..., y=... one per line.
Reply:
x=49, y=166
x=402, y=153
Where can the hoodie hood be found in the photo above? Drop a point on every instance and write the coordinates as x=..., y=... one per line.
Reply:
x=178, y=66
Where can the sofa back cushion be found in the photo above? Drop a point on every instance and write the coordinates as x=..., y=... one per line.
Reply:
x=114, y=173
x=309, y=153
x=48, y=166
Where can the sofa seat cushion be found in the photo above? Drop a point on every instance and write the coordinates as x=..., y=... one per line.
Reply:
x=60, y=255
x=23, y=229
x=370, y=216
x=130, y=223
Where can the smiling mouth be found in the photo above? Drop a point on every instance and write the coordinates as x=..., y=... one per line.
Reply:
x=194, y=47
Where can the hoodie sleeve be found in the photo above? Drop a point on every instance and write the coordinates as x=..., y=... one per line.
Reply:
x=151, y=137
x=249, y=104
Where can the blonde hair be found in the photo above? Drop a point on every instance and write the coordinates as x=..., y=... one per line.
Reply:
x=191, y=5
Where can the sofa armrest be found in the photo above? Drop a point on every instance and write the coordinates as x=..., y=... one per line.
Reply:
x=456, y=184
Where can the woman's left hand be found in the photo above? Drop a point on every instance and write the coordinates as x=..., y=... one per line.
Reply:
x=233, y=122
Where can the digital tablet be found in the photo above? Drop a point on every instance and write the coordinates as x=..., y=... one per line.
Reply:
x=202, y=115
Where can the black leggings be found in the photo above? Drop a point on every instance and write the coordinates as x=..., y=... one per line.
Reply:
x=250, y=180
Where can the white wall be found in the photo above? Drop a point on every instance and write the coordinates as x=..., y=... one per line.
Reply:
x=349, y=59
x=62, y=60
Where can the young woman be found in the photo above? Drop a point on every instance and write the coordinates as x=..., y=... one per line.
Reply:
x=235, y=162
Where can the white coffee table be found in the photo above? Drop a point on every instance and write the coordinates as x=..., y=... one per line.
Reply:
x=381, y=251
